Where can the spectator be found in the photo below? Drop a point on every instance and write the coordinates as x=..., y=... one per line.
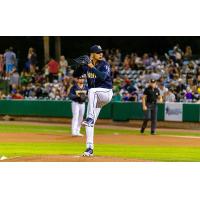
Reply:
x=24, y=91
x=139, y=92
x=13, y=89
x=14, y=77
x=178, y=53
x=126, y=71
x=17, y=95
x=188, y=53
x=10, y=61
x=117, y=97
x=188, y=95
x=181, y=86
x=169, y=96
x=1, y=65
x=126, y=62
x=63, y=65
x=2, y=95
x=126, y=96
x=156, y=63
x=32, y=60
x=146, y=60
x=162, y=89
x=53, y=68
x=25, y=77
x=118, y=56
x=133, y=64
x=115, y=71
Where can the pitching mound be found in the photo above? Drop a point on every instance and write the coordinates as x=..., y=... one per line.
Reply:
x=64, y=158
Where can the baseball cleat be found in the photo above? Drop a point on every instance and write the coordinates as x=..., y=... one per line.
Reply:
x=88, y=122
x=88, y=152
x=77, y=135
x=153, y=133
x=142, y=131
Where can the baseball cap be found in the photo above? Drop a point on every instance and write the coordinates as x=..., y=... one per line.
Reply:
x=152, y=80
x=81, y=77
x=96, y=49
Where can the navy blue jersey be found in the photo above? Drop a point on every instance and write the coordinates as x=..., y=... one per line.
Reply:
x=75, y=91
x=97, y=77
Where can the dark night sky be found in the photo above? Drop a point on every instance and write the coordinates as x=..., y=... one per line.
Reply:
x=74, y=46
x=140, y=44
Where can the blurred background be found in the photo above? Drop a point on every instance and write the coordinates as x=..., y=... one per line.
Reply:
x=72, y=46
x=41, y=67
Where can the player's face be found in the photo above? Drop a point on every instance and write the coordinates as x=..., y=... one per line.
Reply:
x=80, y=81
x=98, y=56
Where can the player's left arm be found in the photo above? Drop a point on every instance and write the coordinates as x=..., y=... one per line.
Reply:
x=102, y=73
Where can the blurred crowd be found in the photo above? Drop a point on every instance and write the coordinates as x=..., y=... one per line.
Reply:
x=177, y=73
x=51, y=81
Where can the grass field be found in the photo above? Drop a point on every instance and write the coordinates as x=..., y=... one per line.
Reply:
x=149, y=153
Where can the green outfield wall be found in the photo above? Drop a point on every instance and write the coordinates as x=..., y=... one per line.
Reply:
x=118, y=111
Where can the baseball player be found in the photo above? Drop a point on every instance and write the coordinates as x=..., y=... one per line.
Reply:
x=100, y=92
x=78, y=96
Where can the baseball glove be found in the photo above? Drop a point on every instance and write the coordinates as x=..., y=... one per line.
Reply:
x=82, y=60
x=83, y=97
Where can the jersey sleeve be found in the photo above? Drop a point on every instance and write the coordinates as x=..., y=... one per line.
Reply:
x=103, y=72
x=72, y=93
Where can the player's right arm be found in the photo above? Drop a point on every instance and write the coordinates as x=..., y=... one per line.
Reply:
x=72, y=94
x=102, y=73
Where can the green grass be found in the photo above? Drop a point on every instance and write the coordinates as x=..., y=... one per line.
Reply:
x=124, y=151
x=10, y=128
x=13, y=128
x=150, y=153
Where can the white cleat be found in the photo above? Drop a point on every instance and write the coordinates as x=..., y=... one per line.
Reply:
x=77, y=135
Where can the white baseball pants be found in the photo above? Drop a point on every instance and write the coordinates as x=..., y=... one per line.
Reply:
x=97, y=98
x=78, y=111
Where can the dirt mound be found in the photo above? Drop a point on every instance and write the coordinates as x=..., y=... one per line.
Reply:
x=142, y=140
x=65, y=158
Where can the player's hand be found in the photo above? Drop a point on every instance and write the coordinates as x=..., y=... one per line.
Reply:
x=90, y=65
x=144, y=108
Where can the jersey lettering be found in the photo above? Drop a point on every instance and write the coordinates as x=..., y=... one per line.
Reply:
x=78, y=92
x=91, y=75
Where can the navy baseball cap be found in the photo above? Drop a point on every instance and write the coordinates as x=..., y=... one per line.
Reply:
x=81, y=77
x=96, y=49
